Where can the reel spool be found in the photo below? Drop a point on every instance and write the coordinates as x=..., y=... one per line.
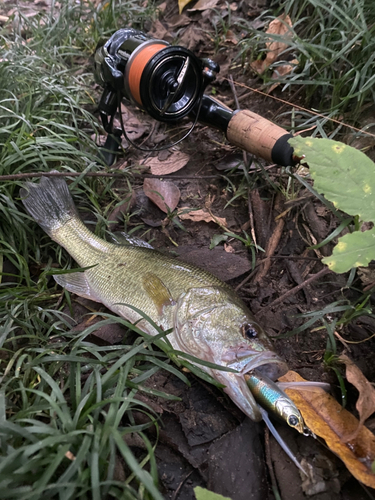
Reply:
x=164, y=80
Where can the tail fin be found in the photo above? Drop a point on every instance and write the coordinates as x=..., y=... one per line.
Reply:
x=49, y=203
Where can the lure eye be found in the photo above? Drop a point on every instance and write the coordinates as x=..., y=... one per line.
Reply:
x=249, y=332
x=293, y=420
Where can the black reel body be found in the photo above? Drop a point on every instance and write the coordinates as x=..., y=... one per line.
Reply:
x=166, y=81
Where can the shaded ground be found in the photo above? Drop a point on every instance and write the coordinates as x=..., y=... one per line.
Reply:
x=204, y=439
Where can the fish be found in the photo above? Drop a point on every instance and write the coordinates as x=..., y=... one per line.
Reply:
x=206, y=318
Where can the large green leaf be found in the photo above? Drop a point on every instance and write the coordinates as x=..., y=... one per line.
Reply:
x=352, y=250
x=203, y=494
x=343, y=174
x=346, y=177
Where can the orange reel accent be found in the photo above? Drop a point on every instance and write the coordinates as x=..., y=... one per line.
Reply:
x=137, y=66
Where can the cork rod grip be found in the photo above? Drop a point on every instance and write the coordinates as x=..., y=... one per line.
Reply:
x=260, y=137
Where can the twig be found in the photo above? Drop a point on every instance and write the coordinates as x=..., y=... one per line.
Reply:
x=295, y=257
x=177, y=491
x=248, y=277
x=301, y=108
x=251, y=215
x=233, y=89
x=271, y=245
x=269, y=464
x=289, y=257
x=294, y=290
x=15, y=177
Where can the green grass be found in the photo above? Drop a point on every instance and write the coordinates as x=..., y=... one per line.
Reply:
x=66, y=404
x=334, y=43
x=63, y=405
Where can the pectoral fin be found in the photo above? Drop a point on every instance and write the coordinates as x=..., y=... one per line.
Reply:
x=76, y=283
x=157, y=291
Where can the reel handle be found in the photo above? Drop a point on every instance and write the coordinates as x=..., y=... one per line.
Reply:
x=259, y=136
x=249, y=131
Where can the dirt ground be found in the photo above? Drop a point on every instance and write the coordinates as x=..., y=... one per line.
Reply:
x=204, y=439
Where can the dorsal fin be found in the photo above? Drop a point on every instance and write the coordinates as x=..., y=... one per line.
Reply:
x=122, y=238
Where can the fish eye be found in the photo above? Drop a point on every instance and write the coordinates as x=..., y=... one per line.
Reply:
x=249, y=332
x=293, y=420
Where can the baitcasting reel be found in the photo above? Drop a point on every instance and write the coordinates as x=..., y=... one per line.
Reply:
x=168, y=82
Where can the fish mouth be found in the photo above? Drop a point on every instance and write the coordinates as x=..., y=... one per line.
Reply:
x=267, y=363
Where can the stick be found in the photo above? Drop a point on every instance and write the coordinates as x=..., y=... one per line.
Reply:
x=294, y=290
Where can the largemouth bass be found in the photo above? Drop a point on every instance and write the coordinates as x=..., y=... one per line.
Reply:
x=208, y=320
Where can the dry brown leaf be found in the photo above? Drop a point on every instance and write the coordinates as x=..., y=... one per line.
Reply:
x=174, y=162
x=280, y=71
x=228, y=248
x=158, y=30
x=164, y=194
x=191, y=37
x=366, y=402
x=204, y=5
x=279, y=27
x=122, y=208
x=327, y=419
x=284, y=69
x=134, y=127
x=200, y=215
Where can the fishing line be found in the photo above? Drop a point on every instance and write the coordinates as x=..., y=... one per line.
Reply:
x=301, y=108
x=161, y=148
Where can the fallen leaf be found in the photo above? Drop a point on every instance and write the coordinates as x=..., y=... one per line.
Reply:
x=284, y=69
x=182, y=4
x=204, y=5
x=158, y=30
x=134, y=128
x=174, y=162
x=201, y=216
x=177, y=21
x=326, y=418
x=231, y=37
x=164, y=194
x=366, y=402
x=122, y=208
x=281, y=71
x=103, y=335
x=226, y=266
x=366, y=275
x=279, y=28
x=228, y=248
x=192, y=37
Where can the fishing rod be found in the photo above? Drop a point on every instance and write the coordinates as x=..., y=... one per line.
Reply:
x=168, y=82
